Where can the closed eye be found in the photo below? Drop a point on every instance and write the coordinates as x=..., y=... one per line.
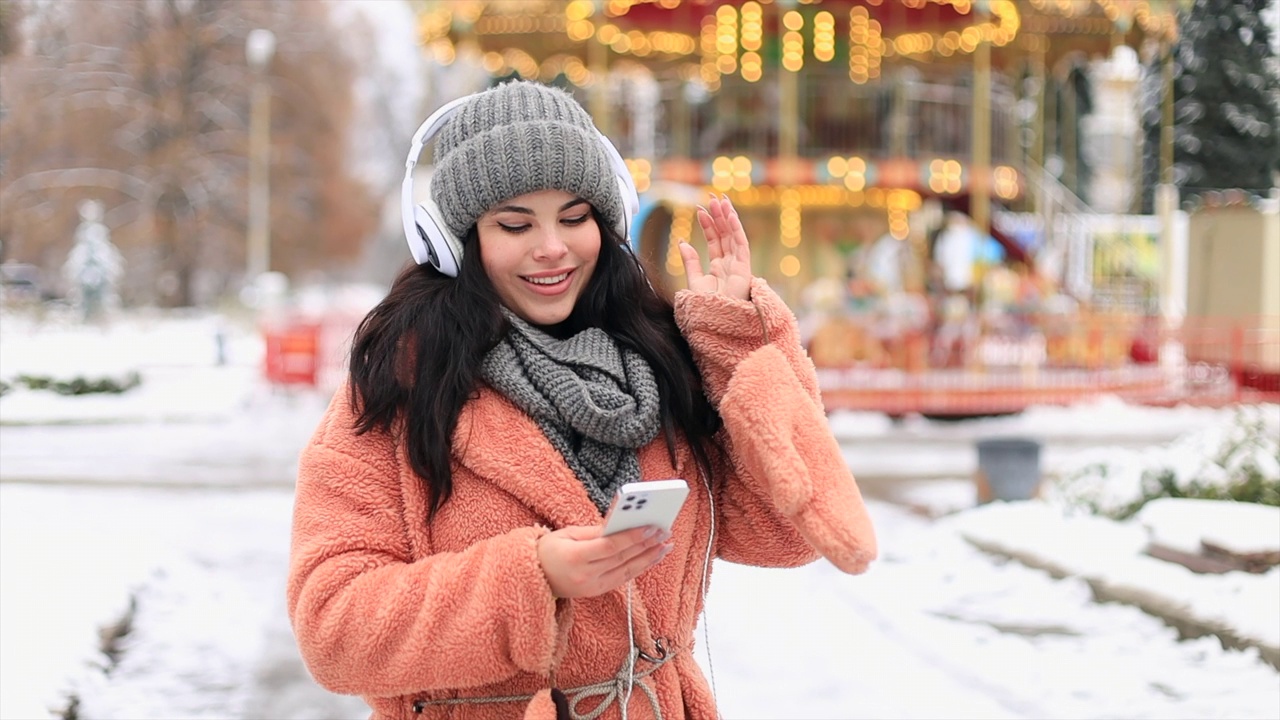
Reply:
x=576, y=220
x=514, y=229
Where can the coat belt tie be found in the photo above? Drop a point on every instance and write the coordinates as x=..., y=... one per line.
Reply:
x=607, y=691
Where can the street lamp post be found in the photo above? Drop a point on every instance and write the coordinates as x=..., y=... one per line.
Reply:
x=258, y=50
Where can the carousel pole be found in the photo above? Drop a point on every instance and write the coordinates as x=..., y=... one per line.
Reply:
x=1071, y=119
x=1039, y=45
x=980, y=185
x=788, y=139
x=598, y=64
x=1172, y=252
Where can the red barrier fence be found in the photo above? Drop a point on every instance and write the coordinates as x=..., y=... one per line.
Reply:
x=308, y=350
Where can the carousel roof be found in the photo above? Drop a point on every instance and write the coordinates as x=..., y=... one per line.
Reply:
x=545, y=38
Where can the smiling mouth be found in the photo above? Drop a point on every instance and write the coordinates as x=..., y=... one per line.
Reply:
x=548, y=280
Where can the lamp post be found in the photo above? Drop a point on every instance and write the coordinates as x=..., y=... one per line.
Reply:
x=258, y=50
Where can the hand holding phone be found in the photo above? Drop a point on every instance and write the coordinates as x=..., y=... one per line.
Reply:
x=641, y=504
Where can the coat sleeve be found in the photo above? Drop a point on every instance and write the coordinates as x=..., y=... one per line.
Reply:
x=788, y=475
x=370, y=620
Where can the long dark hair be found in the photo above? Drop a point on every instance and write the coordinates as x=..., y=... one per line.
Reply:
x=416, y=356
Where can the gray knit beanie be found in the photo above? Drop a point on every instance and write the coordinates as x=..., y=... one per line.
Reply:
x=517, y=138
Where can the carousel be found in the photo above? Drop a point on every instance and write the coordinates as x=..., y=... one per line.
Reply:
x=902, y=167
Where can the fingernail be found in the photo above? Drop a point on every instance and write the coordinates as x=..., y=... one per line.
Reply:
x=666, y=550
x=651, y=532
x=726, y=198
x=703, y=209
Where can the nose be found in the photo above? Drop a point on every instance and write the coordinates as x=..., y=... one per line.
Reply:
x=550, y=245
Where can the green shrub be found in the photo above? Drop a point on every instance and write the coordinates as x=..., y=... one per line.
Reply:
x=79, y=385
x=1241, y=464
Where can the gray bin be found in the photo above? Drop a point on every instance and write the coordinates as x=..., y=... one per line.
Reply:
x=1010, y=467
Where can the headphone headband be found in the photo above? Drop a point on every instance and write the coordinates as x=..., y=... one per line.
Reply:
x=428, y=236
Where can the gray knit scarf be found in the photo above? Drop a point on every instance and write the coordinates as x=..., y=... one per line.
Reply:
x=595, y=401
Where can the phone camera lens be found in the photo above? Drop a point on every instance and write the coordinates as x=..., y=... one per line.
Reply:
x=626, y=507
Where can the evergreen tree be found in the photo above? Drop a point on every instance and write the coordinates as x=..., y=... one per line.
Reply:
x=1226, y=95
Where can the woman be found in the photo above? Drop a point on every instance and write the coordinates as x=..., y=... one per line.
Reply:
x=447, y=556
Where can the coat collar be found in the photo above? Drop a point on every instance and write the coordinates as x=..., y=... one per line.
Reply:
x=500, y=443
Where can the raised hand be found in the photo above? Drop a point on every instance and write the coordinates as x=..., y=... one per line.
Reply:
x=729, y=269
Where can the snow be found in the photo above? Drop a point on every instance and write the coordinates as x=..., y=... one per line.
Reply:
x=176, y=496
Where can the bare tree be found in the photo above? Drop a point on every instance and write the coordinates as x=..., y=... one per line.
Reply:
x=143, y=104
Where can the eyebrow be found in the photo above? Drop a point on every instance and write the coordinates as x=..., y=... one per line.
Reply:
x=527, y=211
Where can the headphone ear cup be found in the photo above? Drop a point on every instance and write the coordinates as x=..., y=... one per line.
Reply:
x=444, y=251
x=417, y=239
x=624, y=190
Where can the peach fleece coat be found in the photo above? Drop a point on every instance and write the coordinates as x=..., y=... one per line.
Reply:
x=417, y=616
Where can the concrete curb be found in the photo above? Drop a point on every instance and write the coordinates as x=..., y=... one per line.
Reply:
x=1175, y=615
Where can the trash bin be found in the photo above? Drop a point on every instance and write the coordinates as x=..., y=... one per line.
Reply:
x=1009, y=468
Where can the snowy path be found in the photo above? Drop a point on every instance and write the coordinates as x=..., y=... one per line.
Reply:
x=940, y=630
x=936, y=630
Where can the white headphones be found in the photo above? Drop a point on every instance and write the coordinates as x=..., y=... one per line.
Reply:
x=429, y=238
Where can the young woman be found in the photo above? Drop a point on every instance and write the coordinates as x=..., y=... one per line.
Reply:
x=447, y=555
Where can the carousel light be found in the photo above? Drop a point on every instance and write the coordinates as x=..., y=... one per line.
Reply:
x=752, y=66
x=789, y=265
x=579, y=10
x=741, y=172
x=824, y=36
x=789, y=218
x=707, y=38
x=641, y=172
x=726, y=29
x=434, y=24
x=1006, y=182
x=640, y=44
x=752, y=26
x=863, y=41
x=793, y=41
x=726, y=39
x=945, y=176
x=681, y=231
x=722, y=173
x=898, y=227
x=580, y=30
x=443, y=51
x=521, y=61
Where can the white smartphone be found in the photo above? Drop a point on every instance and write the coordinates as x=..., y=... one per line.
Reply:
x=656, y=502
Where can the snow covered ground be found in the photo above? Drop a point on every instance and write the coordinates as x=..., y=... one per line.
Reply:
x=175, y=498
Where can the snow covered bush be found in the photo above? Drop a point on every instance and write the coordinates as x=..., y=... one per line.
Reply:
x=1237, y=460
